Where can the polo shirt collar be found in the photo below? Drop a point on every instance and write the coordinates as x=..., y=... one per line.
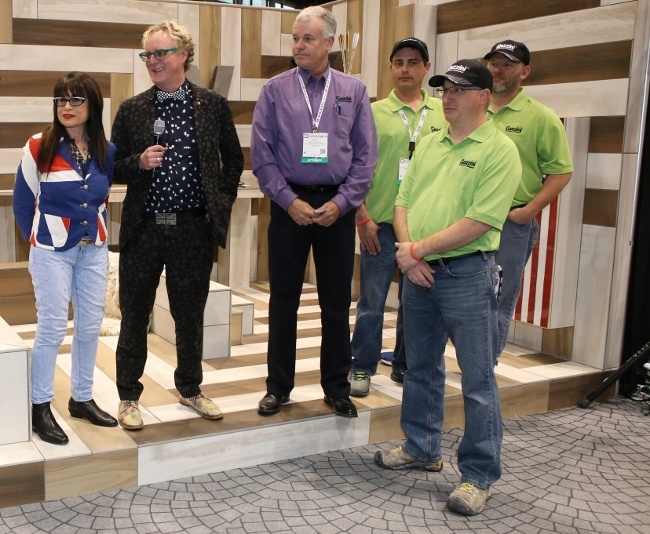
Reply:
x=306, y=76
x=396, y=104
x=480, y=135
x=517, y=103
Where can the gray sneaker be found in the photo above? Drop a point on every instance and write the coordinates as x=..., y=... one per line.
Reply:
x=359, y=383
x=398, y=458
x=468, y=499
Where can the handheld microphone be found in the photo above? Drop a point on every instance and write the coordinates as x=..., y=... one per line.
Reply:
x=158, y=130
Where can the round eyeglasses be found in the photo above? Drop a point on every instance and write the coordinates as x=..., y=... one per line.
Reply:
x=456, y=90
x=75, y=101
x=159, y=54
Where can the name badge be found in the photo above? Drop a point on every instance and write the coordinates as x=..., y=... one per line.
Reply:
x=314, y=148
x=403, y=167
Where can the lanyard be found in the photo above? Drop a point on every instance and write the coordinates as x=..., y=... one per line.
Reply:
x=413, y=136
x=315, y=122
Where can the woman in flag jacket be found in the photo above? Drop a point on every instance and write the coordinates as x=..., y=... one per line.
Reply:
x=59, y=203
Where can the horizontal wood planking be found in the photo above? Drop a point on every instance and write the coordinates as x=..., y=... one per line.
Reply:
x=466, y=14
x=7, y=181
x=77, y=33
x=602, y=61
x=22, y=484
x=600, y=207
x=606, y=135
x=15, y=280
x=272, y=65
x=16, y=134
x=41, y=83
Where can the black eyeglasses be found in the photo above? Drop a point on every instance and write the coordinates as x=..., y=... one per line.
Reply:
x=158, y=54
x=456, y=90
x=75, y=101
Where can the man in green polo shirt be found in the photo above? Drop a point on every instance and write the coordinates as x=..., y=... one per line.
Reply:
x=547, y=166
x=402, y=120
x=448, y=217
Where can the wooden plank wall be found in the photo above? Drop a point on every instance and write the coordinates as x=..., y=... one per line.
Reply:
x=583, y=52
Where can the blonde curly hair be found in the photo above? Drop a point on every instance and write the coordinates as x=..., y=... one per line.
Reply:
x=177, y=32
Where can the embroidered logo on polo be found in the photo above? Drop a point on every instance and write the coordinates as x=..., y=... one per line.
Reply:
x=434, y=129
x=514, y=129
x=467, y=163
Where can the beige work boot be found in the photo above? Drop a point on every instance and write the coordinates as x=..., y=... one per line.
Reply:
x=203, y=406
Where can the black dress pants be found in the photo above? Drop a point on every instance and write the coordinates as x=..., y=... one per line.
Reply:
x=186, y=252
x=333, y=250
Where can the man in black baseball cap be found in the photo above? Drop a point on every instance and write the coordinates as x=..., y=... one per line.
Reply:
x=465, y=72
x=412, y=42
x=513, y=50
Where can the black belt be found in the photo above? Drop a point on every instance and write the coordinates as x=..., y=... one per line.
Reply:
x=174, y=218
x=297, y=188
x=445, y=261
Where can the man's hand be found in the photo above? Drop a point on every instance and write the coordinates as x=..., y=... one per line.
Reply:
x=152, y=157
x=327, y=214
x=301, y=212
x=521, y=215
x=368, y=237
x=421, y=274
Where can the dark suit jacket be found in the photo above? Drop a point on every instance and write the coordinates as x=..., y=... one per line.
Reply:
x=220, y=156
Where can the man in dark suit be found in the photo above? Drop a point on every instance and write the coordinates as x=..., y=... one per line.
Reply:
x=179, y=153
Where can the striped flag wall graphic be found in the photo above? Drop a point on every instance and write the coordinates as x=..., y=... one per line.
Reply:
x=534, y=302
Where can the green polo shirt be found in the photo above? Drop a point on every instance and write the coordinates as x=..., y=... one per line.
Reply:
x=393, y=144
x=446, y=182
x=540, y=138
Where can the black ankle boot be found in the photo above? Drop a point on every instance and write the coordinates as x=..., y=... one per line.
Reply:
x=44, y=424
x=89, y=410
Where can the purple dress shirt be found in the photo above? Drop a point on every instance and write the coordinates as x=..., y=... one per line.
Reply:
x=282, y=117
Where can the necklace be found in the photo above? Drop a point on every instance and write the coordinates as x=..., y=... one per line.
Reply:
x=80, y=155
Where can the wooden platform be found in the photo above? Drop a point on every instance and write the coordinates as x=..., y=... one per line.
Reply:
x=176, y=443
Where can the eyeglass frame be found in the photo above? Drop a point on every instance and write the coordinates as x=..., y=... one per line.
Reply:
x=61, y=101
x=453, y=91
x=146, y=56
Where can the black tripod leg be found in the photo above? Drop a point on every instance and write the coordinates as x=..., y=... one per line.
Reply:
x=584, y=403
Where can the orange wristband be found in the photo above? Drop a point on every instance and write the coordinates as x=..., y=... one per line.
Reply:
x=365, y=221
x=413, y=253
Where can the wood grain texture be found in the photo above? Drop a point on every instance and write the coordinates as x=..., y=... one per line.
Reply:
x=603, y=61
x=387, y=39
x=210, y=48
x=78, y=33
x=600, y=207
x=16, y=134
x=466, y=14
x=288, y=18
x=558, y=342
x=69, y=477
x=22, y=484
x=606, y=135
x=251, y=43
x=41, y=83
x=6, y=21
x=565, y=392
x=121, y=88
x=272, y=65
x=355, y=24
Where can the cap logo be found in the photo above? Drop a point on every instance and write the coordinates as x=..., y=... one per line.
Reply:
x=457, y=68
x=507, y=46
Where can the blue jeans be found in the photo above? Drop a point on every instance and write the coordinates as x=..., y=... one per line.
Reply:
x=77, y=274
x=376, y=276
x=517, y=242
x=461, y=305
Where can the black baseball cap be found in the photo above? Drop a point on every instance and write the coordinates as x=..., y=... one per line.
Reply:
x=411, y=42
x=513, y=50
x=465, y=72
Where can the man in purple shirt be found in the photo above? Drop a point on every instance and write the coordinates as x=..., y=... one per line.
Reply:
x=313, y=150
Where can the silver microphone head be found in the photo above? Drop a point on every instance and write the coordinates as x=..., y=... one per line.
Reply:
x=158, y=127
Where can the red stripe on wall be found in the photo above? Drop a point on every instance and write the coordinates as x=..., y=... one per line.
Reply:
x=550, y=260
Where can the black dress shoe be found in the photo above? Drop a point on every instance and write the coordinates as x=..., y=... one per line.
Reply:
x=89, y=410
x=343, y=407
x=271, y=404
x=45, y=426
x=397, y=376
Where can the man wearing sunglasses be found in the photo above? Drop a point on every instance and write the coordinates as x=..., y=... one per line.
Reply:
x=179, y=153
x=448, y=217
